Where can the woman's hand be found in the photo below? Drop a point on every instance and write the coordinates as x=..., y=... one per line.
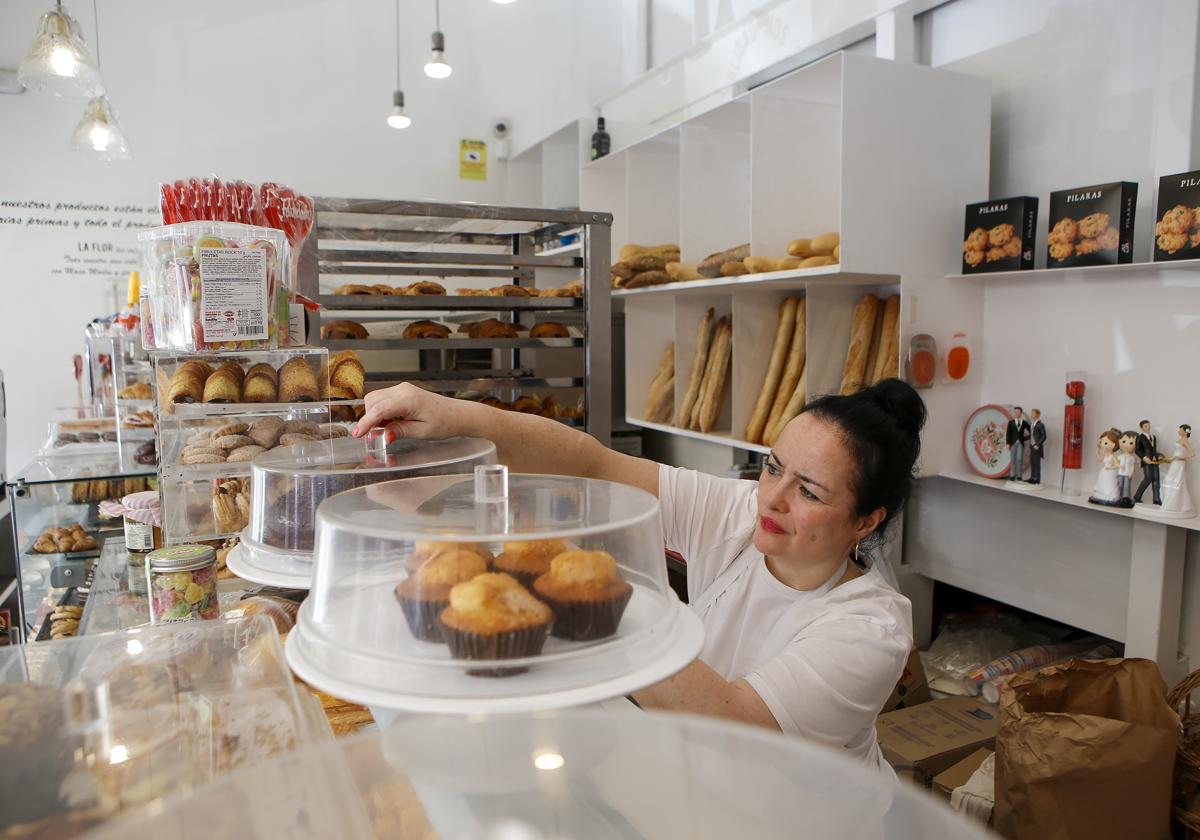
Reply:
x=410, y=412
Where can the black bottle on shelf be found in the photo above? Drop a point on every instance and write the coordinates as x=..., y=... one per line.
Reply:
x=600, y=140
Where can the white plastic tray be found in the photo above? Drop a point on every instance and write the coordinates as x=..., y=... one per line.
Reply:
x=289, y=574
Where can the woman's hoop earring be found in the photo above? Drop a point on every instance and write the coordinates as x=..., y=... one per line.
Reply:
x=856, y=562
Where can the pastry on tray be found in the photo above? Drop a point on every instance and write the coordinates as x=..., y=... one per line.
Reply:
x=297, y=382
x=527, y=560
x=60, y=540
x=425, y=593
x=549, y=329
x=342, y=329
x=426, y=329
x=224, y=385
x=261, y=385
x=510, y=290
x=187, y=383
x=491, y=616
x=587, y=594
x=343, y=377
x=354, y=289
x=137, y=391
x=424, y=287
x=492, y=328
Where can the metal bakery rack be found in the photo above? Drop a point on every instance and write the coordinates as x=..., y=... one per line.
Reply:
x=398, y=243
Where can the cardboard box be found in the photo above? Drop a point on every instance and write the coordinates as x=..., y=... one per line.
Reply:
x=922, y=741
x=957, y=775
x=1091, y=225
x=999, y=235
x=1177, y=224
x=913, y=687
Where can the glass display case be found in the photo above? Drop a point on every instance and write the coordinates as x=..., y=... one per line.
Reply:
x=289, y=483
x=104, y=723
x=565, y=774
x=489, y=592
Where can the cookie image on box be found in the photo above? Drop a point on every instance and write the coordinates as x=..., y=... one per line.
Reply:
x=998, y=235
x=1091, y=225
x=1177, y=225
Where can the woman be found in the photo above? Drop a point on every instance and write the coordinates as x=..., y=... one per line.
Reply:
x=1175, y=495
x=799, y=635
x=1106, y=491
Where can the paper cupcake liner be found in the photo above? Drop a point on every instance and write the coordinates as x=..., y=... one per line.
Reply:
x=422, y=617
x=526, y=579
x=585, y=621
x=512, y=645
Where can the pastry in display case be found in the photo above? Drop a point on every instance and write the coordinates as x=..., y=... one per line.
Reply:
x=289, y=483
x=101, y=724
x=489, y=592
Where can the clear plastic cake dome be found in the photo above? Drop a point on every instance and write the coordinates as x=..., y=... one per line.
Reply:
x=491, y=592
x=289, y=483
x=570, y=775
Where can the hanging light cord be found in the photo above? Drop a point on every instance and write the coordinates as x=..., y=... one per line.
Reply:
x=437, y=15
x=96, y=19
x=397, y=44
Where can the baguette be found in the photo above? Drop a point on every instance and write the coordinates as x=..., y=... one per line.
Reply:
x=711, y=266
x=697, y=372
x=790, y=410
x=664, y=404
x=710, y=408
x=647, y=278
x=873, y=350
x=646, y=262
x=629, y=252
x=683, y=271
x=794, y=369
x=779, y=353
x=800, y=248
x=706, y=379
x=887, y=365
x=824, y=244
x=854, y=370
x=623, y=270
x=734, y=268
x=666, y=370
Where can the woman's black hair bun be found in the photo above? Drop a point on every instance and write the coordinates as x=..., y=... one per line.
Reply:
x=903, y=403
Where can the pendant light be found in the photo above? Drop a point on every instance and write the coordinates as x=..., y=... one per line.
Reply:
x=98, y=134
x=503, y=2
x=58, y=62
x=438, y=67
x=397, y=118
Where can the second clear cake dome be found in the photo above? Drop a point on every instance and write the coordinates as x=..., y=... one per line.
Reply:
x=490, y=592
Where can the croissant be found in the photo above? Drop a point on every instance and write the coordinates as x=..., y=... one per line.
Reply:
x=426, y=329
x=187, y=383
x=354, y=289
x=549, y=329
x=297, y=382
x=261, y=385
x=224, y=386
x=471, y=292
x=529, y=404
x=425, y=287
x=382, y=289
x=492, y=328
x=510, y=290
x=347, y=377
x=343, y=330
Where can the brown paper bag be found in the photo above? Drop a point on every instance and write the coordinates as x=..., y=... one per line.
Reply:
x=1086, y=750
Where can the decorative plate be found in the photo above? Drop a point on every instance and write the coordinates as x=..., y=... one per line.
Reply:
x=983, y=441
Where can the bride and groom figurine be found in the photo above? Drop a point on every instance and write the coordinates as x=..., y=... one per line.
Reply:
x=1120, y=455
x=1021, y=435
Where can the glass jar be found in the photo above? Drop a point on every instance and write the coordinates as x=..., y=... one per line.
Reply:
x=141, y=537
x=182, y=583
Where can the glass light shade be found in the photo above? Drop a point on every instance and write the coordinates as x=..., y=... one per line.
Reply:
x=503, y=2
x=98, y=134
x=438, y=67
x=59, y=61
x=397, y=118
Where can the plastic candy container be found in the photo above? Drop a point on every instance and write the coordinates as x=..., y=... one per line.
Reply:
x=290, y=482
x=489, y=593
x=216, y=286
x=182, y=581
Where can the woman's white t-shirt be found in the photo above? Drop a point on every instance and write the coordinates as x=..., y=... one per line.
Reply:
x=824, y=660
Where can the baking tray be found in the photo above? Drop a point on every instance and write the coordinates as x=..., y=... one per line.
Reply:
x=72, y=597
x=65, y=556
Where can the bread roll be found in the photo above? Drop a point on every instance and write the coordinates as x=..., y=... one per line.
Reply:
x=734, y=268
x=668, y=252
x=788, y=263
x=800, y=248
x=794, y=369
x=622, y=270
x=816, y=262
x=647, y=262
x=647, y=278
x=837, y=252
x=699, y=360
x=855, y=369
x=683, y=271
x=824, y=244
x=887, y=364
x=711, y=266
x=779, y=352
x=757, y=265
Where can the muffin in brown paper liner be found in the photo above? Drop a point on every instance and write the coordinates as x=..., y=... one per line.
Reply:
x=422, y=615
x=426, y=592
x=512, y=644
x=585, y=620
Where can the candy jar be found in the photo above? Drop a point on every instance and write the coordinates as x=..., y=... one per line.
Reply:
x=182, y=583
x=1072, y=457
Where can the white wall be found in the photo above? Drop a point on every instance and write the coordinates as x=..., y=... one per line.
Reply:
x=295, y=92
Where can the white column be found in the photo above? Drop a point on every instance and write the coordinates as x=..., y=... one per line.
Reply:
x=896, y=35
x=1156, y=596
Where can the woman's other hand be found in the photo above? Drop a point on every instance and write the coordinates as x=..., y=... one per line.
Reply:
x=411, y=412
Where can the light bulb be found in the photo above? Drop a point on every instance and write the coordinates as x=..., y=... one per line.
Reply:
x=548, y=761
x=503, y=2
x=58, y=62
x=99, y=135
x=397, y=118
x=438, y=67
x=62, y=61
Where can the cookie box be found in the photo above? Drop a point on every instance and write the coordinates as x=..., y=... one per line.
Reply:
x=1177, y=222
x=1091, y=225
x=998, y=235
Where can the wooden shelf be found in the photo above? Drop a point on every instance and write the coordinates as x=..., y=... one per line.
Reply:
x=1050, y=493
x=798, y=278
x=1090, y=273
x=722, y=438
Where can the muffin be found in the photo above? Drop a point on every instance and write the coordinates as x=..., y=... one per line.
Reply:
x=424, y=594
x=423, y=551
x=492, y=616
x=586, y=593
x=527, y=561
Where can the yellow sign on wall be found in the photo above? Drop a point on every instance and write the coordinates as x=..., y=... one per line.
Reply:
x=472, y=160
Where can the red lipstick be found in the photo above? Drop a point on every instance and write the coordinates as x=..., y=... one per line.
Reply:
x=770, y=525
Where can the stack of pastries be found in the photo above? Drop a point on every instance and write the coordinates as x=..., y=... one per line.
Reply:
x=196, y=381
x=505, y=606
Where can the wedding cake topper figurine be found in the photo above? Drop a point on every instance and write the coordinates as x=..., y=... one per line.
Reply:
x=1016, y=435
x=1147, y=452
x=1037, y=446
x=1106, y=491
x=1176, y=499
x=1128, y=463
